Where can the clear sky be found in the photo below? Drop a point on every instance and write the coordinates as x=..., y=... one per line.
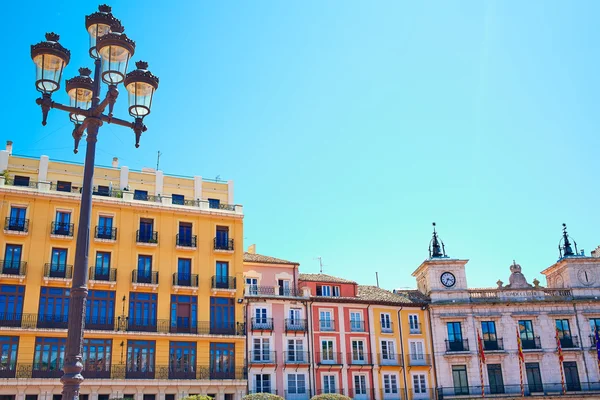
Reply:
x=349, y=126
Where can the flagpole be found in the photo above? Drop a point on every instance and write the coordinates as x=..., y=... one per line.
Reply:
x=521, y=358
x=560, y=363
x=481, y=357
x=521, y=377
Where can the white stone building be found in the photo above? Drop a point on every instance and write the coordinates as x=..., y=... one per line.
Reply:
x=569, y=303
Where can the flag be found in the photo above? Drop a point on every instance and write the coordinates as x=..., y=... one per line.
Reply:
x=480, y=348
x=520, y=347
x=559, y=348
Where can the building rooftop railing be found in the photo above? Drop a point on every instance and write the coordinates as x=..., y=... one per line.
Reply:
x=541, y=390
x=533, y=294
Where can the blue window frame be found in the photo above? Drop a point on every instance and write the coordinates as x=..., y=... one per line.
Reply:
x=54, y=307
x=17, y=218
x=182, y=359
x=185, y=234
x=222, y=315
x=105, y=225
x=140, y=358
x=184, y=271
x=222, y=274
x=62, y=223
x=102, y=267
x=12, y=259
x=142, y=311
x=222, y=360
x=184, y=312
x=100, y=309
x=11, y=305
x=146, y=230
x=97, y=356
x=140, y=194
x=59, y=259
x=8, y=355
x=144, y=271
x=454, y=332
x=49, y=353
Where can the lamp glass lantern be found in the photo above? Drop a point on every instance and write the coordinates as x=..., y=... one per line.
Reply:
x=115, y=50
x=99, y=24
x=80, y=90
x=50, y=59
x=141, y=85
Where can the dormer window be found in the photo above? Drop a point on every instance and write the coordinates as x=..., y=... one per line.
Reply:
x=328, y=291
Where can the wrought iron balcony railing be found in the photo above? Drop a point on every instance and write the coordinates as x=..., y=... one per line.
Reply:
x=357, y=326
x=457, y=345
x=541, y=390
x=62, y=229
x=223, y=244
x=295, y=325
x=296, y=357
x=301, y=393
x=256, y=290
x=397, y=393
x=58, y=271
x=100, y=323
x=10, y=267
x=362, y=393
x=493, y=344
x=150, y=237
x=188, y=280
x=186, y=240
x=96, y=370
x=569, y=342
x=16, y=224
x=414, y=328
x=418, y=359
x=262, y=324
x=144, y=277
x=327, y=325
x=105, y=233
x=359, y=358
x=262, y=357
x=335, y=390
x=44, y=370
x=390, y=359
x=531, y=344
x=386, y=327
x=328, y=358
x=268, y=390
x=56, y=321
x=223, y=282
x=182, y=325
x=102, y=274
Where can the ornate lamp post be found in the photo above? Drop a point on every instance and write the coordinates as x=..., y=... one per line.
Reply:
x=111, y=50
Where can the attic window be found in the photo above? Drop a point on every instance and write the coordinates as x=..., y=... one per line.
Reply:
x=326, y=291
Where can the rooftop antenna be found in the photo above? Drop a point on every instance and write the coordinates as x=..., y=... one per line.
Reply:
x=320, y=264
x=377, y=278
x=158, y=160
x=217, y=178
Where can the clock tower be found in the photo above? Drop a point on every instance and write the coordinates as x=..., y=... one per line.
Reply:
x=441, y=277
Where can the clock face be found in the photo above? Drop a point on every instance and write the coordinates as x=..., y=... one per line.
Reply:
x=448, y=279
x=586, y=276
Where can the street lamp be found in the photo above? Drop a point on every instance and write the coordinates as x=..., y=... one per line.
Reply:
x=111, y=50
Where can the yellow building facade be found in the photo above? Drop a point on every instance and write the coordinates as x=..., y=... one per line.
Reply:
x=164, y=314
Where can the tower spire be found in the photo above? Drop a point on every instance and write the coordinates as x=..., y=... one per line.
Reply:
x=564, y=245
x=436, y=246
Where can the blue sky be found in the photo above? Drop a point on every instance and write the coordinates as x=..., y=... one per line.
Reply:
x=349, y=126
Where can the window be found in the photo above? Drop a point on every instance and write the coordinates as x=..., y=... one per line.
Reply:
x=54, y=307
x=356, y=322
x=184, y=272
x=222, y=275
x=49, y=354
x=97, y=356
x=413, y=323
x=21, y=180
x=16, y=221
x=12, y=259
x=105, y=230
x=571, y=376
x=252, y=286
x=214, y=203
x=8, y=354
x=534, y=377
x=260, y=318
x=142, y=311
x=495, y=378
x=222, y=360
x=336, y=291
x=101, y=271
x=63, y=186
x=296, y=384
x=182, y=360
x=185, y=237
x=388, y=353
x=386, y=322
x=262, y=383
x=62, y=224
x=295, y=321
x=324, y=290
x=488, y=333
x=419, y=384
x=58, y=263
x=178, y=199
x=358, y=352
x=140, y=195
x=360, y=385
x=284, y=287
x=325, y=321
x=594, y=323
x=417, y=355
x=329, y=384
x=261, y=351
x=295, y=351
x=455, y=342
x=459, y=376
x=144, y=270
x=527, y=336
x=102, y=191
x=222, y=315
x=564, y=333
x=11, y=304
x=390, y=384
x=184, y=311
x=327, y=354
x=100, y=309
x=140, y=358
x=146, y=232
x=222, y=238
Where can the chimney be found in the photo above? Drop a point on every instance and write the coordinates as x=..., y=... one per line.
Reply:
x=9, y=147
x=115, y=162
x=252, y=249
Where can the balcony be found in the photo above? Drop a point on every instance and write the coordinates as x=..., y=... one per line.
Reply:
x=18, y=226
x=186, y=241
x=569, y=342
x=147, y=238
x=397, y=393
x=493, y=344
x=327, y=325
x=583, y=389
x=357, y=326
x=181, y=325
x=41, y=370
x=223, y=282
x=415, y=360
x=592, y=341
x=103, y=274
x=52, y=321
x=296, y=357
x=99, y=323
x=182, y=371
x=61, y=229
x=141, y=277
x=295, y=325
x=262, y=357
x=217, y=205
x=453, y=346
x=58, y=271
x=223, y=244
x=519, y=295
x=415, y=329
x=99, y=370
x=8, y=370
x=390, y=359
x=13, y=268
x=262, y=324
x=387, y=328
x=359, y=358
x=329, y=358
x=531, y=344
x=271, y=291
x=104, y=233
x=141, y=325
x=10, y=319
x=362, y=394
x=186, y=280
x=331, y=391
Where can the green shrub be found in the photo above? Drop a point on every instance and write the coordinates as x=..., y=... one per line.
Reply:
x=197, y=397
x=330, y=396
x=262, y=396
